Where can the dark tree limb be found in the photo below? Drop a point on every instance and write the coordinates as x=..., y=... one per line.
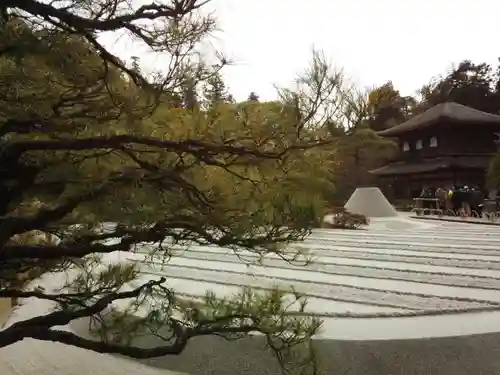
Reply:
x=40, y=327
x=203, y=150
x=192, y=145
x=30, y=327
x=12, y=225
x=182, y=335
x=151, y=11
x=39, y=293
x=179, y=230
x=69, y=338
x=86, y=25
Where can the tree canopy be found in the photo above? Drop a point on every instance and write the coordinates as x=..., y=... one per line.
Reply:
x=472, y=84
x=98, y=157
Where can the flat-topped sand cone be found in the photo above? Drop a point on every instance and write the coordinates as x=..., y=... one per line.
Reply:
x=370, y=201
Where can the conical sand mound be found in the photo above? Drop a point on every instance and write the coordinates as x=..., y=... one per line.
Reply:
x=370, y=201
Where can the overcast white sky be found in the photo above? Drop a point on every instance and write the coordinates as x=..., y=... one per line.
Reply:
x=407, y=42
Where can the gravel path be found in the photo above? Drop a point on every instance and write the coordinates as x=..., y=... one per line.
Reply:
x=471, y=355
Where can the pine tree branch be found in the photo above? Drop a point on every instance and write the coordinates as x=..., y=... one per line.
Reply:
x=69, y=338
x=182, y=335
x=16, y=252
x=74, y=23
x=40, y=327
x=178, y=230
x=151, y=11
x=35, y=326
x=40, y=294
x=12, y=225
x=198, y=148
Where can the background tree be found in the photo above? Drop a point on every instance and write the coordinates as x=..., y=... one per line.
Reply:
x=253, y=97
x=190, y=97
x=79, y=128
x=470, y=84
x=387, y=108
x=356, y=153
x=357, y=147
x=136, y=64
x=378, y=108
x=215, y=90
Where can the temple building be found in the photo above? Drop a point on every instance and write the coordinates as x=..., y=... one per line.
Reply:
x=449, y=144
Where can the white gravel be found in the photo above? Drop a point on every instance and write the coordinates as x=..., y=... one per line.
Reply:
x=405, y=269
x=398, y=266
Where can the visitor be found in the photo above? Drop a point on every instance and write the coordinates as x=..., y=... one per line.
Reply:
x=477, y=199
x=462, y=200
x=451, y=199
x=441, y=196
x=493, y=199
x=427, y=194
x=457, y=199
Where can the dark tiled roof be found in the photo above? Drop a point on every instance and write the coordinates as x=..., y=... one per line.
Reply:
x=450, y=111
x=401, y=168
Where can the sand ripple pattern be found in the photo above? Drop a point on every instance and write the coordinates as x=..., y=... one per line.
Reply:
x=413, y=271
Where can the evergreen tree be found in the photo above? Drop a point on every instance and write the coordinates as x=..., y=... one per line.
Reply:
x=215, y=90
x=253, y=97
x=95, y=159
x=190, y=94
x=136, y=64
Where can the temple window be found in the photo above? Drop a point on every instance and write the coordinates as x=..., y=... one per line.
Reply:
x=419, y=145
x=406, y=146
x=433, y=142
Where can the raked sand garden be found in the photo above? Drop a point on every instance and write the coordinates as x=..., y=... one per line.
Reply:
x=403, y=296
x=426, y=270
